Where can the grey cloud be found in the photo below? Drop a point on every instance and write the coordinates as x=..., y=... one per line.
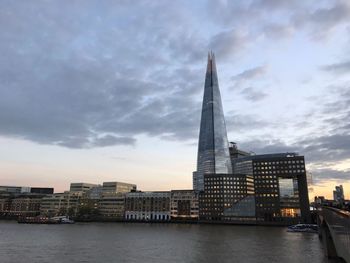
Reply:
x=247, y=77
x=339, y=68
x=321, y=21
x=244, y=122
x=262, y=146
x=109, y=140
x=327, y=148
x=79, y=76
x=321, y=175
x=250, y=73
x=299, y=16
x=253, y=95
x=277, y=31
x=228, y=43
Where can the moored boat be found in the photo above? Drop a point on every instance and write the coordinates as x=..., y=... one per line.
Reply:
x=45, y=220
x=308, y=228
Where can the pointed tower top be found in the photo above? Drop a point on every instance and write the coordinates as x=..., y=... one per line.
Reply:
x=211, y=66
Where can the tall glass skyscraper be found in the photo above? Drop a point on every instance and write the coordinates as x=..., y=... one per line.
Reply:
x=213, y=149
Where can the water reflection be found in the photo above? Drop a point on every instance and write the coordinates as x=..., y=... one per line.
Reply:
x=115, y=242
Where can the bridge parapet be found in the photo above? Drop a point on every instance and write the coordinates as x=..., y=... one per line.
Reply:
x=334, y=225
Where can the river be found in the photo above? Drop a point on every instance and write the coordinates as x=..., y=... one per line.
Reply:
x=136, y=242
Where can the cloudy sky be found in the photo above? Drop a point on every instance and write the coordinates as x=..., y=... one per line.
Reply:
x=99, y=91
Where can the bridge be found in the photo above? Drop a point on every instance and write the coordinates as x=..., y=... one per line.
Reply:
x=334, y=231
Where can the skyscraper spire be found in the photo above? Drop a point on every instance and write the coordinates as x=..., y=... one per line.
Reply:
x=213, y=149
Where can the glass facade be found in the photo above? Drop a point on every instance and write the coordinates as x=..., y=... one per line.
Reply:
x=213, y=148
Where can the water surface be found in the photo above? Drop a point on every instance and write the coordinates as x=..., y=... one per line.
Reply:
x=132, y=242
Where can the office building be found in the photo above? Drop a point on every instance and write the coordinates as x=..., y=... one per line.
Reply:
x=227, y=197
x=213, y=149
x=147, y=206
x=25, y=190
x=338, y=194
x=117, y=187
x=235, y=152
x=57, y=204
x=184, y=205
x=81, y=187
x=112, y=200
x=21, y=201
x=111, y=206
x=280, y=184
x=25, y=206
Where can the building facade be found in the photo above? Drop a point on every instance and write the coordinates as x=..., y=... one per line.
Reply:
x=81, y=187
x=25, y=190
x=227, y=197
x=184, y=205
x=117, y=187
x=18, y=201
x=148, y=206
x=20, y=205
x=213, y=149
x=59, y=204
x=112, y=206
x=338, y=194
x=281, y=193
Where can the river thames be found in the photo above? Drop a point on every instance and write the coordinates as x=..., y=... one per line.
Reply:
x=135, y=242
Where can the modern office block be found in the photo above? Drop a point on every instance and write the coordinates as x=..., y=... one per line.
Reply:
x=57, y=204
x=227, y=197
x=111, y=206
x=25, y=190
x=338, y=194
x=281, y=192
x=117, y=187
x=81, y=187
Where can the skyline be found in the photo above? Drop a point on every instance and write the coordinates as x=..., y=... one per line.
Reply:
x=106, y=91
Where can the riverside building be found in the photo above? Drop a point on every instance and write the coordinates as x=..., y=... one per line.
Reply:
x=148, y=206
x=58, y=204
x=105, y=201
x=184, y=205
x=112, y=201
x=21, y=201
x=280, y=185
x=227, y=197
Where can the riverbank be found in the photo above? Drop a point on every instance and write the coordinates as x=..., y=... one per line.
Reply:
x=191, y=222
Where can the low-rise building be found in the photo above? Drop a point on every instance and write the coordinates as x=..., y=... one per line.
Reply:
x=25, y=206
x=66, y=203
x=112, y=199
x=81, y=187
x=184, y=205
x=148, y=206
x=227, y=197
x=21, y=201
x=117, y=187
x=5, y=205
x=15, y=190
x=111, y=206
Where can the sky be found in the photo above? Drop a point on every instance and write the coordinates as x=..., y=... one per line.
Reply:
x=95, y=91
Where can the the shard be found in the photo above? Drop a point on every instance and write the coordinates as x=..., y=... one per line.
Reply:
x=213, y=148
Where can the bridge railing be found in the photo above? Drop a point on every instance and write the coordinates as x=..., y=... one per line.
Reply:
x=338, y=222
